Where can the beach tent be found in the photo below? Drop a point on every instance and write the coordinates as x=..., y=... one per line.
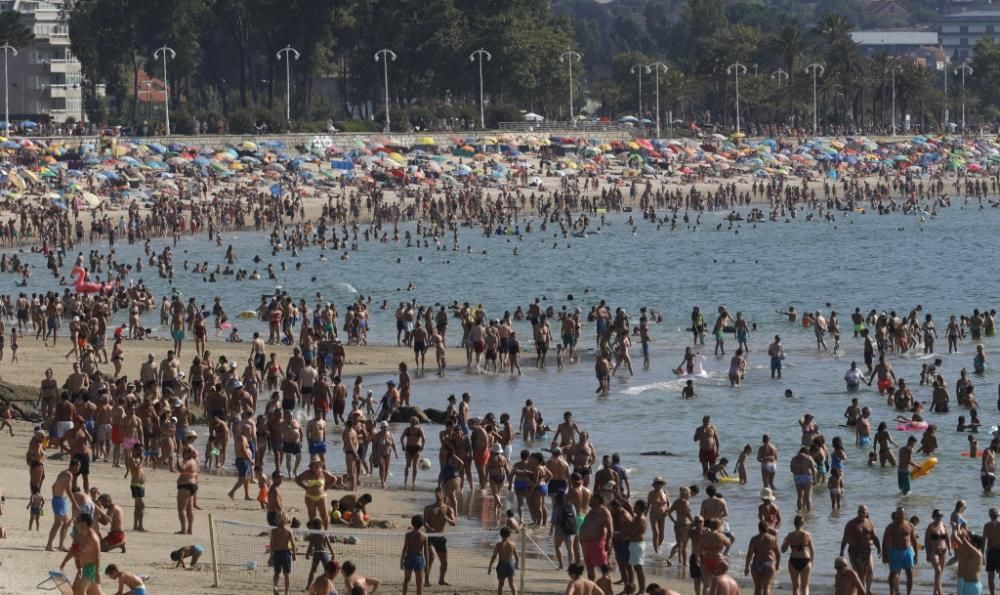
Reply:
x=533, y=117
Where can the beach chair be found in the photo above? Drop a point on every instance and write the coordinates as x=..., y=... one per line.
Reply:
x=59, y=581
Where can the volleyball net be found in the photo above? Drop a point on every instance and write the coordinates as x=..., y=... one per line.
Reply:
x=241, y=559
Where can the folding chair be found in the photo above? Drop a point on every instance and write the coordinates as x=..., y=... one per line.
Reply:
x=60, y=582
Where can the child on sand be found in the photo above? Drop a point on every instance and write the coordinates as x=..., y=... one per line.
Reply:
x=189, y=551
x=505, y=555
x=129, y=583
x=35, y=505
x=282, y=551
x=319, y=548
x=263, y=484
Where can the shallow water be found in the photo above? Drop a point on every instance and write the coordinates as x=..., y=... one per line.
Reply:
x=867, y=261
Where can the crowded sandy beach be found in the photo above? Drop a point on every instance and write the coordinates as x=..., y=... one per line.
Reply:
x=565, y=365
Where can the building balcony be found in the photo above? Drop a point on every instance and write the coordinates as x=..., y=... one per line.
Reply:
x=62, y=66
x=56, y=39
x=56, y=91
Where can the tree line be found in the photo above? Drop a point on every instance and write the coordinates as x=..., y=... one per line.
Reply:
x=226, y=68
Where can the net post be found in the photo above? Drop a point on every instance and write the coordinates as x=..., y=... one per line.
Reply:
x=215, y=555
x=523, y=557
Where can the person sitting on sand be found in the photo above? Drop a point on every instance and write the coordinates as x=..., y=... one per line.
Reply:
x=129, y=583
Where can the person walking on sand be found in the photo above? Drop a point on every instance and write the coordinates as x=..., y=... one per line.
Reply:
x=506, y=558
x=899, y=544
x=413, y=558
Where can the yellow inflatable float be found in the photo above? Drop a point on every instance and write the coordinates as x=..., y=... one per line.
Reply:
x=924, y=468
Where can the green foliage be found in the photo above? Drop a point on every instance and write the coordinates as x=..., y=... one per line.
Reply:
x=12, y=31
x=242, y=121
x=226, y=60
x=359, y=126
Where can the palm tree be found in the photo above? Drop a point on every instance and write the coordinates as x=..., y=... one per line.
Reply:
x=833, y=27
x=788, y=44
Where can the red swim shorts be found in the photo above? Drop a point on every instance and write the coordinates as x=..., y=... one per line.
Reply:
x=595, y=554
x=707, y=456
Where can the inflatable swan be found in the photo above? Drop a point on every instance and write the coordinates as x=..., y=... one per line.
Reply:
x=83, y=286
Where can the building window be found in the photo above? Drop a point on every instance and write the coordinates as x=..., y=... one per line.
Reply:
x=989, y=29
x=963, y=29
x=964, y=42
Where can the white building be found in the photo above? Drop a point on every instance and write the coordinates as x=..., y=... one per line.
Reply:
x=44, y=77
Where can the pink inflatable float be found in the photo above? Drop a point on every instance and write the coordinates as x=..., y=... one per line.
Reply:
x=83, y=286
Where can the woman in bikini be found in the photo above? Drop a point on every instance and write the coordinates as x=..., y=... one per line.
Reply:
x=938, y=547
x=763, y=559
x=498, y=471
x=800, y=559
x=679, y=514
x=314, y=481
x=117, y=355
x=35, y=459
x=187, y=487
x=659, y=503
x=539, y=481
x=413, y=440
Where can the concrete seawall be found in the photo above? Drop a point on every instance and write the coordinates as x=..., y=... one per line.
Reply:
x=339, y=139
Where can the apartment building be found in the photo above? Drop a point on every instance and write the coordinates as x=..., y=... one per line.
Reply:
x=44, y=77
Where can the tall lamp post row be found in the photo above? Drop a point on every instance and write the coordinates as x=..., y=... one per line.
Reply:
x=386, y=55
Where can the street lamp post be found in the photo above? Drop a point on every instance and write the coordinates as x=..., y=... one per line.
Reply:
x=149, y=99
x=288, y=51
x=7, y=49
x=638, y=68
x=964, y=69
x=893, y=101
x=658, y=67
x=385, y=55
x=944, y=127
x=568, y=56
x=164, y=51
x=481, y=53
x=816, y=70
x=737, y=69
x=778, y=75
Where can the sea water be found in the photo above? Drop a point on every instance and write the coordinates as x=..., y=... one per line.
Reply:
x=869, y=261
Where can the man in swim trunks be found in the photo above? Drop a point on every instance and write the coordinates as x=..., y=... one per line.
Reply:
x=244, y=463
x=87, y=549
x=707, y=438
x=859, y=536
x=595, y=536
x=886, y=375
x=776, y=351
x=61, y=504
x=991, y=547
x=559, y=469
x=899, y=542
x=316, y=435
x=906, y=465
x=112, y=515
x=767, y=456
x=437, y=517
